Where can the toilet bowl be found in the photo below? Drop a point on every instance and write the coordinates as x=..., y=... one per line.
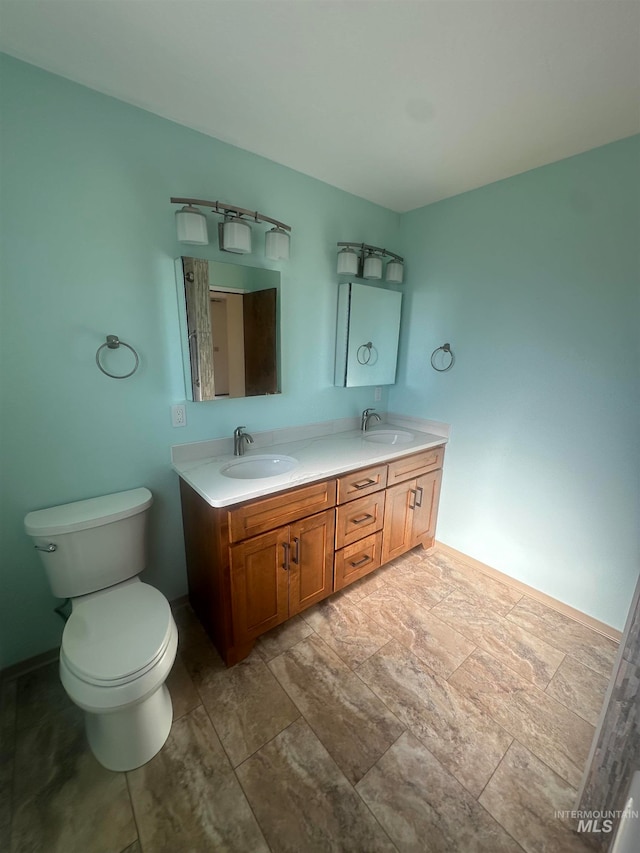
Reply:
x=118, y=648
x=120, y=641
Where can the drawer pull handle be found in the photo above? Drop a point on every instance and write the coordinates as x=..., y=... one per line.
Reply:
x=296, y=554
x=365, y=483
x=285, y=560
x=412, y=499
x=361, y=562
x=419, y=500
x=365, y=517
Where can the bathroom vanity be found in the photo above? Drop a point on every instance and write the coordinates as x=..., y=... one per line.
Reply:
x=254, y=563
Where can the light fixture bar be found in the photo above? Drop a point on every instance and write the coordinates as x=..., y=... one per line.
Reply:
x=365, y=247
x=230, y=209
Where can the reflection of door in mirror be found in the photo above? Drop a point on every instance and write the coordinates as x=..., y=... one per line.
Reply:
x=227, y=331
x=231, y=340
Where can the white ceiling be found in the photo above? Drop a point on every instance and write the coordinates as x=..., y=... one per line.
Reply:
x=402, y=103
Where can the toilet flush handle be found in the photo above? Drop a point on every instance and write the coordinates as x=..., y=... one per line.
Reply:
x=48, y=548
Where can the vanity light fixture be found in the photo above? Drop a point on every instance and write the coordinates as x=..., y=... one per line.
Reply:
x=236, y=236
x=191, y=225
x=276, y=244
x=347, y=262
x=234, y=233
x=372, y=266
x=364, y=261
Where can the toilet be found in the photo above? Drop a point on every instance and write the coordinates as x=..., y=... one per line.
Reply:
x=120, y=641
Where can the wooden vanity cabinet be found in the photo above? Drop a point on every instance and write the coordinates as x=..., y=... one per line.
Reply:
x=278, y=574
x=253, y=565
x=411, y=506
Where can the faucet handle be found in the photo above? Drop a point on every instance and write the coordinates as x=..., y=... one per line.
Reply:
x=238, y=430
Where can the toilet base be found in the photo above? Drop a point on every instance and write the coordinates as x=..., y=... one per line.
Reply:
x=124, y=740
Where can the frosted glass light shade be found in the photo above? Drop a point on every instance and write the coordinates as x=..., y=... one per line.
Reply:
x=372, y=267
x=276, y=245
x=347, y=262
x=236, y=236
x=395, y=272
x=191, y=225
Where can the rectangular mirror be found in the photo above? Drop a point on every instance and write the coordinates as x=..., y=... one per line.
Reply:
x=368, y=330
x=229, y=329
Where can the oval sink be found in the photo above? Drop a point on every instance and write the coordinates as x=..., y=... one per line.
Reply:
x=258, y=467
x=389, y=436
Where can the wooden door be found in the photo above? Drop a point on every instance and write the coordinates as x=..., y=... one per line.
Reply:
x=311, y=576
x=426, y=508
x=398, y=520
x=259, y=584
x=260, y=344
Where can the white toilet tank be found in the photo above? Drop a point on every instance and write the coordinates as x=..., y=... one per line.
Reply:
x=90, y=545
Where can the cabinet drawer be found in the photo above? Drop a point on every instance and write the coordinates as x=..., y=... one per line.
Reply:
x=268, y=513
x=357, y=560
x=416, y=464
x=359, y=483
x=360, y=518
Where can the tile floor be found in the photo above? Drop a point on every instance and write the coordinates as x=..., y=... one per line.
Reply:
x=428, y=707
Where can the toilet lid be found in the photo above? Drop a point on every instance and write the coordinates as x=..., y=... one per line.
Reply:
x=113, y=637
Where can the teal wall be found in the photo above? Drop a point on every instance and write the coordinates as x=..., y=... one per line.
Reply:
x=88, y=242
x=535, y=282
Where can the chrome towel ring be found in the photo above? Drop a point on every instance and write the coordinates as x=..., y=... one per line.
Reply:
x=446, y=348
x=113, y=342
x=365, y=352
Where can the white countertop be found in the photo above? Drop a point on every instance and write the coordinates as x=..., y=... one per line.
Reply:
x=318, y=458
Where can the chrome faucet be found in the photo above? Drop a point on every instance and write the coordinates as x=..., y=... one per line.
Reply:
x=240, y=438
x=366, y=417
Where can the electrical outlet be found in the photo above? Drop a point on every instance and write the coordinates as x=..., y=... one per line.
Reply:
x=179, y=415
x=377, y=394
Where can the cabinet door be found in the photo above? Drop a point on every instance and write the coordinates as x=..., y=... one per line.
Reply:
x=398, y=520
x=311, y=575
x=426, y=508
x=259, y=584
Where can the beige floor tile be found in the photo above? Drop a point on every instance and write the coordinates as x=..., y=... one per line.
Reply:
x=579, y=689
x=279, y=639
x=40, y=694
x=437, y=644
x=6, y=785
x=351, y=722
x=365, y=586
x=587, y=646
x=303, y=802
x=190, y=630
x=346, y=629
x=184, y=696
x=423, y=808
x=65, y=802
x=527, y=654
x=423, y=587
x=246, y=704
x=498, y=596
x=8, y=707
x=188, y=797
x=466, y=741
x=553, y=733
x=524, y=795
x=8, y=691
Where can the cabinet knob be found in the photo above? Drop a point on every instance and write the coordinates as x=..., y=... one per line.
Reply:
x=285, y=560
